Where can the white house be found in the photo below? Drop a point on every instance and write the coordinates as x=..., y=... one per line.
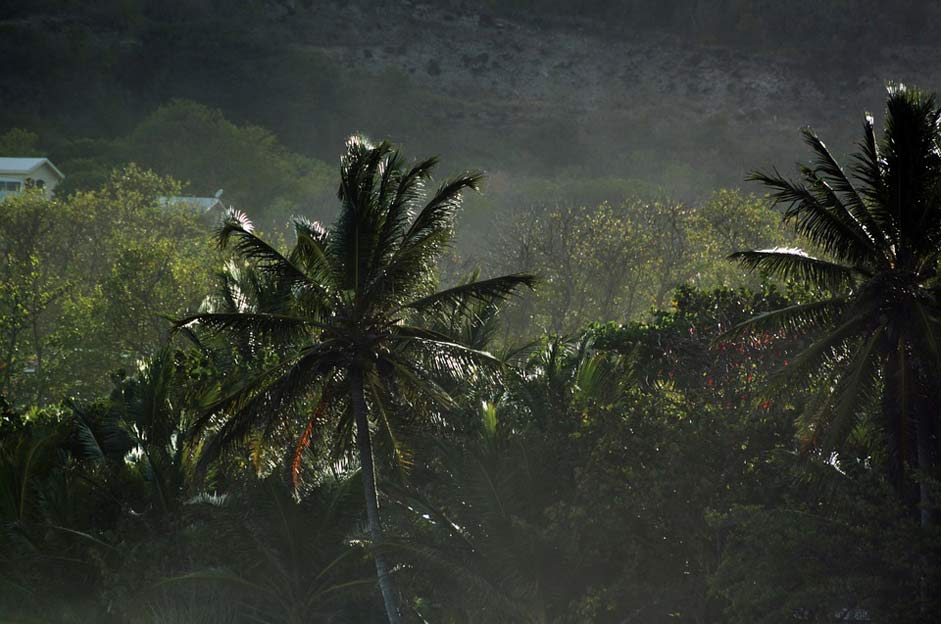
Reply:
x=19, y=173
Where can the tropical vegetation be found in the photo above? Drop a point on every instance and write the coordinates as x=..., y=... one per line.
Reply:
x=205, y=419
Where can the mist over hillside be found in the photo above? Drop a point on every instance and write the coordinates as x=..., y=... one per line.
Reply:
x=688, y=98
x=622, y=100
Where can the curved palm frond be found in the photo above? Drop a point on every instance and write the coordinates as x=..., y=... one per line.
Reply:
x=850, y=198
x=835, y=344
x=488, y=290
x=264, y=258
x=798, y=318
x=912, y=166
x=457, y=358
x=840, y=414
x=869, y=168
x=439, y=212
x=405, y=273
x=260, y=325
x=309, y=252
x=286, y=559
x=262, y=401
x=796, y=264
x=407, y=374
x=815, y=220
x=408, y=190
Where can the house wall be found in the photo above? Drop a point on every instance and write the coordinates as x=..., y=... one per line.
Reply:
x=44, y=172
x=49, y=176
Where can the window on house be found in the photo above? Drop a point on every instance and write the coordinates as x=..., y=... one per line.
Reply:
x=9, y=186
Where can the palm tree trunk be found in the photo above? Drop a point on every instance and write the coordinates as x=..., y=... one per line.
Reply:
x=926, y=458
x=895, y=422
x=364, y=446
x=925, y=503
x=926, y=465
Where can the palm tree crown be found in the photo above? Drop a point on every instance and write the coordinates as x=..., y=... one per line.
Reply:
x=344, y=309
x=878, y=232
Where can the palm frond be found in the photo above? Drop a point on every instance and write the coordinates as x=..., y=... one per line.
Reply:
x=927, y=332
x=856, y=386
x=408, y=190
x=303, y=443
x=417, y=377
x=309, y=252
x=487, y=291
x=471, y=579
x=215, y=575
x=400, y=453
x=91, y=447
x=357, y=230
x=815, y=220
x=789, y=263
x=912, y=166
x=845, y=195
x=406, y=272
x=444, y=353
x=263, y=256
x=259, y=325
x=262, y=400
x=103, y=438
x=233, y=221
x=869, y=168
x=439, y=212
x=797, y=318
x=832, y=345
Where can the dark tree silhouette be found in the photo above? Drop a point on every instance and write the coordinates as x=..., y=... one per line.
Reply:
x=342, y=323
x=875, y=334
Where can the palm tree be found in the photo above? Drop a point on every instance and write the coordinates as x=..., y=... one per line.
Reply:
x=144, y=418
x=347, y=319
x=875, y=330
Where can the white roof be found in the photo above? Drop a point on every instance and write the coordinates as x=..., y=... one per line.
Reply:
x=25, y=165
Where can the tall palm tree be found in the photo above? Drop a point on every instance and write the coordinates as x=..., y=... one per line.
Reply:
x=347, y=319
x=875, y=331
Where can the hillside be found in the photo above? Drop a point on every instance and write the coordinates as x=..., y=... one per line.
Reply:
x=516, y=91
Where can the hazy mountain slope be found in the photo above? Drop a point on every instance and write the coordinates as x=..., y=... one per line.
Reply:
x=531, y=93
x=577, y=94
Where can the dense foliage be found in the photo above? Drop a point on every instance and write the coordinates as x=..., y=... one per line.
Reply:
x=327, y=430
x=86, y=278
